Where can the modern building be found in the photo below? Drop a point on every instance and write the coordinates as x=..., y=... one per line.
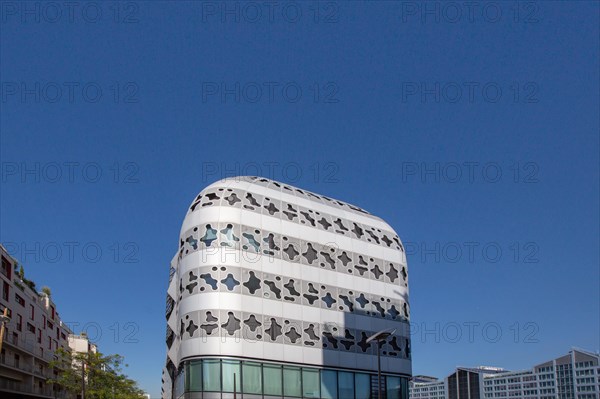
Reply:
x=274, y=292
x=575, y=375
x=425, y=387
x=33, y=333
x=466, y=382
x=463, y=383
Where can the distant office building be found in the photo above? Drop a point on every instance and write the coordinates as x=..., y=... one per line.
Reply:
x=575, y=375
x=425, y=387
x=463, y=383
x=467, y=382
x=273, y=293
x=33, y=333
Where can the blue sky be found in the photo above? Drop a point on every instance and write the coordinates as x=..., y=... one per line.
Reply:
x=474, y=133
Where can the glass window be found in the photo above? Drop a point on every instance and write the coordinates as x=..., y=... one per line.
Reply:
x=345, y=384
x=393, y=387
x=179, y=384
x=329, y=384
x=252, y=378
x=404, y=390
x=194, y=376
x=292, y=382
x=231, y=368
x=362, y=384
x=272, y=377
x=211, y=375
x=310, y=383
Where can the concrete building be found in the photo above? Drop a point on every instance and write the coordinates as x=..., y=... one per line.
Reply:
x=575, y=375
x=273, y=293
x=33, y=333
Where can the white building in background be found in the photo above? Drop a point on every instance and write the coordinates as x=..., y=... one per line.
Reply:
x=81, y=344
x=575, y=375
x=424, y=387
x=273, y=293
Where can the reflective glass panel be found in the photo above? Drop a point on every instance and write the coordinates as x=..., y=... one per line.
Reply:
x=194, y=376
x=272, y=380
x=362, y=384
x=292, y=382
x=329, y=384
x=345, y=384
x=252, y=377
x=231, y=368
x=211, y=375
x=310, y=383
x=393, y=387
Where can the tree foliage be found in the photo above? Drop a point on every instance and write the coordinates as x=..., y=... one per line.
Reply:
x=103, y=375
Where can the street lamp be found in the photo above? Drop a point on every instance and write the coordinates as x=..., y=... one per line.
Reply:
x=379, y=337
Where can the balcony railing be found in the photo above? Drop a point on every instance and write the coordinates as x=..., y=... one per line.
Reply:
x=26, y=388
x=29, y=346
x=11, y=362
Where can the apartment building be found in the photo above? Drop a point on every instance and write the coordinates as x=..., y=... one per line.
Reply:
x=31, y=336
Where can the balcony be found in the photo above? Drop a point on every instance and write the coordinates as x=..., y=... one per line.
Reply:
x=28, y=346
x=19, y=365
x=21, y=387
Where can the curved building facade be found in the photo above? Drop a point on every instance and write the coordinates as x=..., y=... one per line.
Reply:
x=273, y=293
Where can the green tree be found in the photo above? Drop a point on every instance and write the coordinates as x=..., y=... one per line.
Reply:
x=21, y=272
x=102, y=374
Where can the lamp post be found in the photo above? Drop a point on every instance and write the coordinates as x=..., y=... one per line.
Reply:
x=234, y=387
x=379, y=337
x=82, y=379
x=3, y=320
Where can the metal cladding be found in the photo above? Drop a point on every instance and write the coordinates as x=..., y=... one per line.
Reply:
x=268, y=271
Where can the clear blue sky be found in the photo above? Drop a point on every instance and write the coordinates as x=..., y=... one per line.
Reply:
x=516, y=94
